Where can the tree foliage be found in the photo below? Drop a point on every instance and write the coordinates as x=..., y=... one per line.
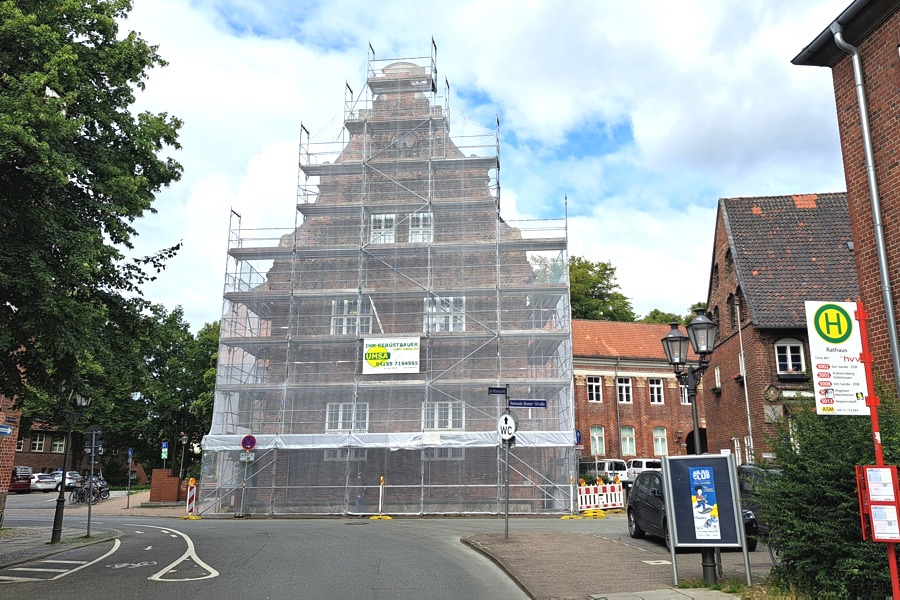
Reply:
x=595, y=293
x=658, y=316
x=76, y=169
x=812, y=507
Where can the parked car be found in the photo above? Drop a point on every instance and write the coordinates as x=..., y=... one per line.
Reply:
x=608, y=468
x=73, y=479
x=646, y=511
x=20, y=481
x=749, y=479
x=639, y=465
x=42, y=482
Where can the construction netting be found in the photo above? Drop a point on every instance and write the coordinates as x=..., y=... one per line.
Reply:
x=358, y=346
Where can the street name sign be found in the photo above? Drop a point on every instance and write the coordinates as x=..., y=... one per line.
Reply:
x=497, y=391
x=528, y=403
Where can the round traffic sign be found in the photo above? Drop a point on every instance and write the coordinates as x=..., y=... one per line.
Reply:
x=506, y=426
x=248, y=443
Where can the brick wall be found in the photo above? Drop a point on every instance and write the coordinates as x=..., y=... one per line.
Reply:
x=164, y=487
x=881, y=68
x=8, y=416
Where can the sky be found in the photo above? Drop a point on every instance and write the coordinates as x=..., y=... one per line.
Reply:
x=631, y=119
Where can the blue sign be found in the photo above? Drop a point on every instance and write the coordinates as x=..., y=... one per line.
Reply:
x=528, y=403
x=248, y=442
x=497, y=391
x=165, y=446
x=130, y=453
x=6, y=430
x=577, y=437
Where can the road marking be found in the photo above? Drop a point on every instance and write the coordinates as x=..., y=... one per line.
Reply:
x=116, y=544
x=65, y=562
x=146, y=563
x=37, y=570
x=149, y=548
x=12, y=579
x=190, y=553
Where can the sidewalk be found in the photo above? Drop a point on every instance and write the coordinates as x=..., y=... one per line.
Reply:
x=548, y=565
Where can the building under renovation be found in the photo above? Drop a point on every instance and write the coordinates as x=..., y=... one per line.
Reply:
x=358, y=346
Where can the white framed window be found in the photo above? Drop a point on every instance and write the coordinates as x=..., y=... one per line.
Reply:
x=445, y=313
x=444, y=454
x=660, y=442
x=421, y=227
x=20, y=444
x=37, y=442
x=623, y=389
x=789, y=356
x=594, y=389
x=348, y=317
x=345, y=454
x=741, y=368
x=384, y=229
x=718, y=373
x=443, y=415
x=58, y=444
x=347, y=416
x=598, y=440
x=685, y=399
x=628, y=442
x=655, y=385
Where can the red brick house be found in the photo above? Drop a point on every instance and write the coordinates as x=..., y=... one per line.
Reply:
x=770, y=254
x=627, y=400
x=871, y=26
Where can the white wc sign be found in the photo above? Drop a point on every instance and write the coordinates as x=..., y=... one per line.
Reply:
x=507, y=425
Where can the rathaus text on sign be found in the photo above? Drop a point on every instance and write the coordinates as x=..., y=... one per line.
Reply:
x=835, y=348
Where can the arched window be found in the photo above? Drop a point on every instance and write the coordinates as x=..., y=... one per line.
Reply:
x=660, y=443
x=715, y=276
x=732, y=313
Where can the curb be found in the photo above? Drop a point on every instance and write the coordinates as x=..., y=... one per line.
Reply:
x=486, y=553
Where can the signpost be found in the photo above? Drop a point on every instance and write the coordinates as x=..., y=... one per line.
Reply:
x=835, y=348
x=248, y=443
x=507, y=425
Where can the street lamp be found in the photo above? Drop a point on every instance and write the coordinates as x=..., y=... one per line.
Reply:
x=184, y=442
x=71, y=417
x=702, y=337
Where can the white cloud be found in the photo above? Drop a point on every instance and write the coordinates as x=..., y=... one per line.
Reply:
x=643, y=114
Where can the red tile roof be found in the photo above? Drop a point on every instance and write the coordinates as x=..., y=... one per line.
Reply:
x=600, y=339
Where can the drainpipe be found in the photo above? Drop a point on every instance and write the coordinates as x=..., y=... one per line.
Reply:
x=836, y=30
x=616, y=392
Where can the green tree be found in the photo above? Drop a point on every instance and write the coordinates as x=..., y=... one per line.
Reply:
x=658, y=316
x=76, y=169
x=594, y=292
x=812, y=508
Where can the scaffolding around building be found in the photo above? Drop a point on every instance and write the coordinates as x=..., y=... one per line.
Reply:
x=358, y=346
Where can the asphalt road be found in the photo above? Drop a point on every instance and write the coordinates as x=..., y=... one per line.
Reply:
x=317, y=559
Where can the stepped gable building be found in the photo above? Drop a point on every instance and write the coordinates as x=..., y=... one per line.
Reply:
x=628, y=401
x=358, y=347
x=870, y=27
x=770, y=255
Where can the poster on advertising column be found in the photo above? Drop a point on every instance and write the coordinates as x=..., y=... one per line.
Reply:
x=835, y=347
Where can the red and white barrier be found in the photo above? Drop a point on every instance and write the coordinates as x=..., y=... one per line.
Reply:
x=605, y=497
x=191, y=499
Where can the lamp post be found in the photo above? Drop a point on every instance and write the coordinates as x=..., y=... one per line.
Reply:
x=71, y=417
x=184, y=442
x=702, y=337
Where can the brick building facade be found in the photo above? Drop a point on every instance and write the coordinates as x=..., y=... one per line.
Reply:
x=770, y=254
x=872, y=27
x=627, y=400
